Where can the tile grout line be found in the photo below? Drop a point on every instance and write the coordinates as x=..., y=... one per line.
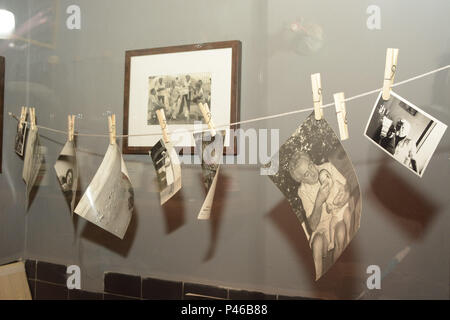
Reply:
x=121, y=295
x=182, y=290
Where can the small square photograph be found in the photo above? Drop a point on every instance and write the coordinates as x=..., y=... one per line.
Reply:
x=404, y=131
x=179, y=95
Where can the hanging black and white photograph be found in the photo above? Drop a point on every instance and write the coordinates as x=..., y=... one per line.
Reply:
x=21, y=135
x=67, y=172
x=405, y=132
x=168, y=169
x=319, y=181
x=209, y=149
x=108, y=201
x=179, y=95
x=33, y=163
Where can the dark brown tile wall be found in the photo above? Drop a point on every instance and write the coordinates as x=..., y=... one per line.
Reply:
x=50, y=291
x=122, y=284
x=47, y=281
x=156, y=289
x=249, y=295
x=194, y=291
x=84, y=295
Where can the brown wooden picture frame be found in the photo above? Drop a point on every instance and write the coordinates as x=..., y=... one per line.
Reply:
x=235, y=45
x=2, y=96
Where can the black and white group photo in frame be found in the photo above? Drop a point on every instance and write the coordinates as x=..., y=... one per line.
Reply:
x=317, y=177
x=178, y=96
x=177, y=79
x=404, y=131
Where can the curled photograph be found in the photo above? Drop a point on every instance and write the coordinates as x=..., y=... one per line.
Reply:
x=67, y=172
x=168, y=169
x=209, y=148
x=319, y=181
x=109, y=199
x=404, y=131
x=32, y=163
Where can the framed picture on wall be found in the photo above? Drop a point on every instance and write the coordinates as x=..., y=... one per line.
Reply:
x=177, y=79
x=2, y=95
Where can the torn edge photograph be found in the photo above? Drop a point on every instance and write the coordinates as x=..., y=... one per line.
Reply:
x=319, y=181
x=405, y=132
x=179, y=95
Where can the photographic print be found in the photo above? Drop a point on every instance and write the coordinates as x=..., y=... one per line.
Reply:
x=404, y=131
x=33, y=162
x=178, y=79
x=21, y=135
x=179, y=96
x=67, y=172
x=209, y=150
x=168, y=169
x=318, y=180
x=109, y=199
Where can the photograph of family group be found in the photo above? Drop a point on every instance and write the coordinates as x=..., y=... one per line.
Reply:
x=179, y=96
x=318, y=180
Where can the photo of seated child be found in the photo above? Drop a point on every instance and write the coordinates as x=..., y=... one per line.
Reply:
x=337, y=205
x=317, y=177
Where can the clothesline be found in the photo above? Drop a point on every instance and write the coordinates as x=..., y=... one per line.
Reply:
x=279, y=115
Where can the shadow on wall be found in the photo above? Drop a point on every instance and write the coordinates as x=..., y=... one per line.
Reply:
x=216, y=213
x=406, y=205
x=174, y=212
x=102, y=237
x=344, y=280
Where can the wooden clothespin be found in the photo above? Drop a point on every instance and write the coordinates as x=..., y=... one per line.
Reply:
x=32, y=118
x=112, y=128
x=23, y=116
x=341, y=114
x=71, y=127
x=163, y=123
x=389, y=72
x=208, y=118
x=317, y=95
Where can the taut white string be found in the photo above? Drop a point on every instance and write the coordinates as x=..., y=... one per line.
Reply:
x=279, y=115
